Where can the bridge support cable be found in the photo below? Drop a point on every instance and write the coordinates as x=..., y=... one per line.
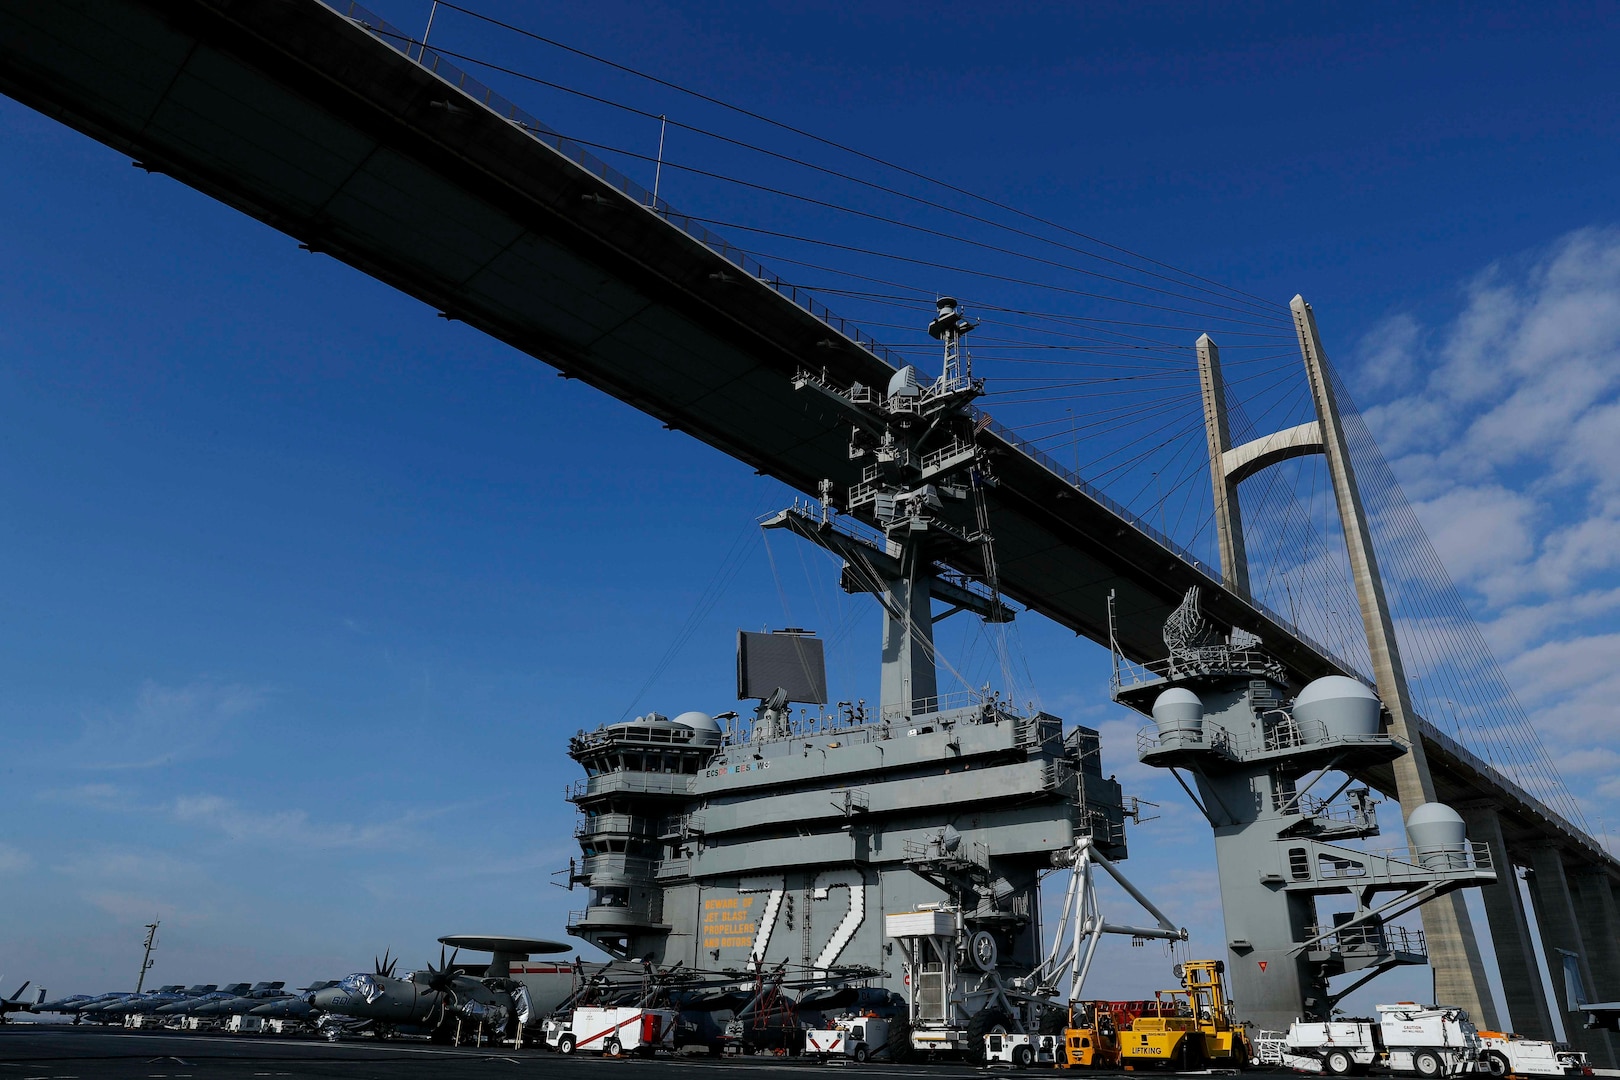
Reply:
x=1461, y=671
x=1185, y=278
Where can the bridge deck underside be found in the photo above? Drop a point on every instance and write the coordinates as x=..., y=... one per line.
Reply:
x=295, y=116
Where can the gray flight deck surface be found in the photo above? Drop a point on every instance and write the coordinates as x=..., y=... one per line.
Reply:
x=63, y=1052
x=303, y=119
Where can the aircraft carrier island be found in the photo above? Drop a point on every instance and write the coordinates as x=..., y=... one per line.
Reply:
x=773, y=838
x=788, y=839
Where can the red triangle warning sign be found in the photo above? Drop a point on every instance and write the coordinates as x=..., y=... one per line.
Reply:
x=1262, y=965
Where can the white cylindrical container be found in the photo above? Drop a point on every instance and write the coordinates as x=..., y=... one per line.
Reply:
x=1438, y=837
x=1180, y=718
x=1336, y=707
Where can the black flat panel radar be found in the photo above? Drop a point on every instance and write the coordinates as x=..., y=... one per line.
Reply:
x=793, y=661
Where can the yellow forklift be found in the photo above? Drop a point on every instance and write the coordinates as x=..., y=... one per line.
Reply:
x=1192, y=1028
x=1091, y=1039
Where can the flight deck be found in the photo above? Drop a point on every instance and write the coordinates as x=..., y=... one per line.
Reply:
x=65, y=1052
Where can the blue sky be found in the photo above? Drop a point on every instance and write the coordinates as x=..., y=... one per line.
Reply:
x=307, y=587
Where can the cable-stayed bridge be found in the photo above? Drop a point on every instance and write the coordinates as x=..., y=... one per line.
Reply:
x=368, y=146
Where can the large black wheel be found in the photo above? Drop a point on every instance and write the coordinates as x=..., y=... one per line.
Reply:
x=1494, y=1063
x=862, y=1053
x=1189, y=1054
x=612, y=1047
x=1023, y=1057
x=1337, y=1063
x=1426, y=1063
x=986, y=1021
x=565, y=1045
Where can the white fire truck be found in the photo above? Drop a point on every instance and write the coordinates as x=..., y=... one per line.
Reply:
x=615, y=1031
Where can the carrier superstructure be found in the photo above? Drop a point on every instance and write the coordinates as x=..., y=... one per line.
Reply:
x=783, y=835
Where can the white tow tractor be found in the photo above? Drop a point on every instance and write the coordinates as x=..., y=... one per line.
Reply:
x=1427, y=1041
x=858, y=1037
x=615, y=1031
x=1503, y=1054
x=1021, y=1051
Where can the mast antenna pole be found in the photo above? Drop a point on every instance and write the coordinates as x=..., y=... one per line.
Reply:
x=421, y=53
x=949, y=327
x=658, y=170
x=146, y=960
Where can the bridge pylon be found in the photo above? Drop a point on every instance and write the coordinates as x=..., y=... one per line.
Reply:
x=1453, y=949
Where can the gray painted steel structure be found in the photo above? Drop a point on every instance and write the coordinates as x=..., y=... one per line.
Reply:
x=308, y=122
x=788, y=840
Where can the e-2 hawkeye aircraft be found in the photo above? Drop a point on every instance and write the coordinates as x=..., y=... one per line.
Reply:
x=482, y=1000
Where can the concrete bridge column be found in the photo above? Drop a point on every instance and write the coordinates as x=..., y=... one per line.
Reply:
x=1459, y=968
x=1599, y=923
x=1560, y=935
x=1523, y=988
x=1228, y=515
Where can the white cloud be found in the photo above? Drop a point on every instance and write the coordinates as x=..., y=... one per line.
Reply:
x=1477, y=529
x=166, y=724
x=14, y=860
x=1503, y=422
x=293, y=828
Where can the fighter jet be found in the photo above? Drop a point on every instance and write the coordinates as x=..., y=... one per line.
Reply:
x=15, y=1003
x=65, y=1005
x=233, y=1005
x=190, y=1005
x=143, y=1004
x=80, y=1010
x=292, y=1006
x=440, y=999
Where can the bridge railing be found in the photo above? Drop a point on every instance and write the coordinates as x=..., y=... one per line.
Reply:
x=431, y=59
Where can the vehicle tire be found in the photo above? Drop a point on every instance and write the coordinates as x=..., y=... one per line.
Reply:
x=1190, y=1053
x=1493, y=1063
x=1337, y=1063
x=612, y=1047
x=1023, y=1057
x=980, y=1024
x=861, y=1054
x=565, y=1045
x=1426, y=1063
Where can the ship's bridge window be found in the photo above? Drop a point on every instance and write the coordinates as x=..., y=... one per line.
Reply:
x=609, y=897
